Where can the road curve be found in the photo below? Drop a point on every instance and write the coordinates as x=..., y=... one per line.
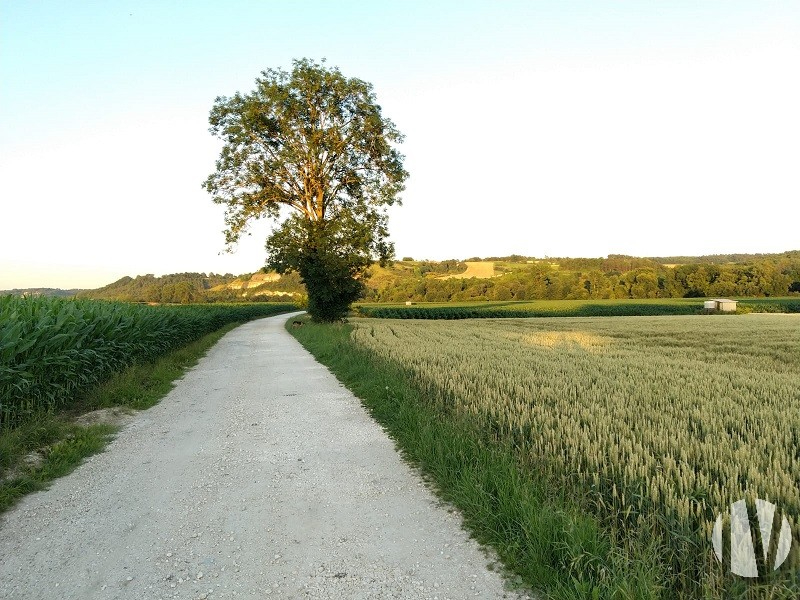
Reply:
x=258, y=476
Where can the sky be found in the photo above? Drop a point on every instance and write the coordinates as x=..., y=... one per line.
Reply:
x=542, y=128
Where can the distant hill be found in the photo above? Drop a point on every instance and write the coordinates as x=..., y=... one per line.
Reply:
x=513, y=277
x=56, y=292
x=186, y=288
x=482, y=269
x=723, y=259
x=517, y=277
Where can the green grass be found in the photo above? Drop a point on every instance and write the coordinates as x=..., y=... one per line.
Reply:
x=63, y=444
x=564, y=308
x=542, y=534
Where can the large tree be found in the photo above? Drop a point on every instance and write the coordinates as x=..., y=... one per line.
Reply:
x=315, y=142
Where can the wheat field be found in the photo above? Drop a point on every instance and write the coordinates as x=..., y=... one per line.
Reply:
x=662, y=422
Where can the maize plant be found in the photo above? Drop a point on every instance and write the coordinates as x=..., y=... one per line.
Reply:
x=567, y=308
x=51, y=349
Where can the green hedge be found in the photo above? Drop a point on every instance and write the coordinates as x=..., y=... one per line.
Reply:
x=569, y=308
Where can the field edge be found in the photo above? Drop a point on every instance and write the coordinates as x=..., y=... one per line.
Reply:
x=50, y=446
x=544, y=540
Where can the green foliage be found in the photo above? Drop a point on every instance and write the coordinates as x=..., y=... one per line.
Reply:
x=543, y=308
x=41, y=292
x=568, y=308
x=615, y=277
x=178, y=288
x=725, y=259
x=52, y=349
x=62, y=445
x=194, y=288
x=28, y=437
x=330, y=256
x=442, y=267
x=316, y=142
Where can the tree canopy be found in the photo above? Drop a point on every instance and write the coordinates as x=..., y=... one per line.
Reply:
x=315, y=142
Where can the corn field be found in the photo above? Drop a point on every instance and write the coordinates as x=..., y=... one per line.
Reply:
x=661, y=422
x=52, y=349
x=567, y=308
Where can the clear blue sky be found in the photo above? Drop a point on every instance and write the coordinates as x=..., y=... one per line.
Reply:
x=539, y=128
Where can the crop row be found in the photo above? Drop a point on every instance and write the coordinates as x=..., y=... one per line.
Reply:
x=567, y=308
x=661, y=422
x=51, y=349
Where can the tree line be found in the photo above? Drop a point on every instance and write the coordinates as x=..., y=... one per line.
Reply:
x=193, y=288
x=605, y=278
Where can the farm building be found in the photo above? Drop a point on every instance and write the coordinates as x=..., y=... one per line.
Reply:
x=721, y=304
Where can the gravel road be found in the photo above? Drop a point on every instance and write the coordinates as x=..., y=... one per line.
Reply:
x=258, y=476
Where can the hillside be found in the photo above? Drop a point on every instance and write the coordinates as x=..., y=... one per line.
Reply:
x=512, y=277
x=186, y=288
x=518, y=277
x=722, y=259
x=480, y=269
x=54, y=292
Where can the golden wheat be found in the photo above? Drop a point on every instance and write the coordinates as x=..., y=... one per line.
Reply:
x=676, y=416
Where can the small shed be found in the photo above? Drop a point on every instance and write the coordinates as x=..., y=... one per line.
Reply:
x=721, y=304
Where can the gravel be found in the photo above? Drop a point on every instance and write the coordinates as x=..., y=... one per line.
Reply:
x=258, y=476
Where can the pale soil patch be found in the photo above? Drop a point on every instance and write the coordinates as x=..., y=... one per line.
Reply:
x=255, y=280
x=32, y=460
x=481, y=270
x=116, y=415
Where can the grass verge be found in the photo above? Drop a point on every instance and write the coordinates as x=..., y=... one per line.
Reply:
x=143, y=385
x=541, y=534
x=49, y=446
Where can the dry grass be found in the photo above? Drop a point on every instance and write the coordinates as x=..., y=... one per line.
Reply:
x=556, y=339
x=481, y=270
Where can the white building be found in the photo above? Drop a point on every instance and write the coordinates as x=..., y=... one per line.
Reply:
x=720, y=304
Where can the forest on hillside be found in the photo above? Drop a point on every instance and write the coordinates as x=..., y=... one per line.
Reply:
x=194, y=288
x=617, y=276
x=516, y=278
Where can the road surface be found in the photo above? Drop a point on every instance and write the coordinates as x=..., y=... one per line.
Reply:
x=258, y=476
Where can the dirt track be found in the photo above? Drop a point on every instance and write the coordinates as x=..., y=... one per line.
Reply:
x=258, y=476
